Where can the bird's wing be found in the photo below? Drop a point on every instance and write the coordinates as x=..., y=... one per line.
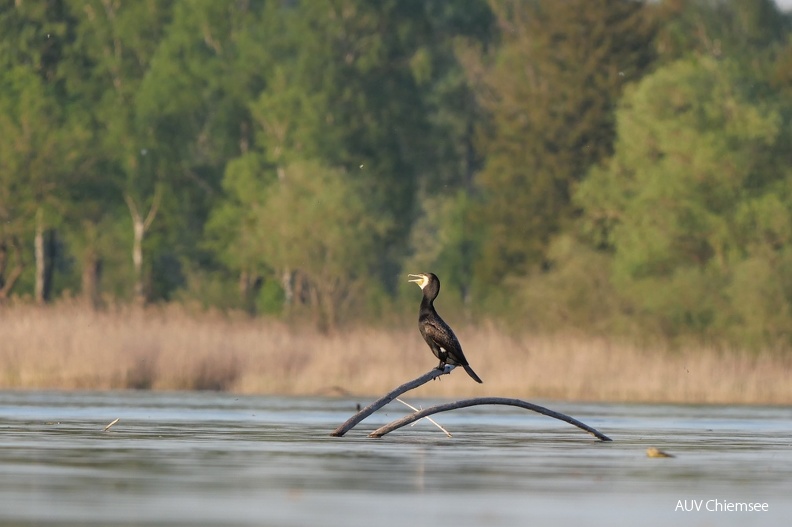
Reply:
x=443, y=336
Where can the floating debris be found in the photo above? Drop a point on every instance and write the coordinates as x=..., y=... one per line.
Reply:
x=111, y=424
x=656, y=452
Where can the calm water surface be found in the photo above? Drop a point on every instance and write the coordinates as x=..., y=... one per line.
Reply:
x=219, y=459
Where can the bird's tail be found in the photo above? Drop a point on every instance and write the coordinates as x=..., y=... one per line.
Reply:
x=470, y=372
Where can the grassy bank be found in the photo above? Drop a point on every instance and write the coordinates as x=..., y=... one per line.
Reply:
x=68, y=347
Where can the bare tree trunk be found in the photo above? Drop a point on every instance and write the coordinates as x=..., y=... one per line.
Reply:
x=139, y=228
x=10, y=248
x=91, y=278
x=328, y=299
x=244, y=286
x=44, y=249
x=288, y=290
x=38, y=249
x=51, y=252
x=137, y=259
x=315, y=306
x=249, y=286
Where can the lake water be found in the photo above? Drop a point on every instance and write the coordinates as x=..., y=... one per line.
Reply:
x=219, y=459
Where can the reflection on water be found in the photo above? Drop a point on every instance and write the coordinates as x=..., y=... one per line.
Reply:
x=219, y=459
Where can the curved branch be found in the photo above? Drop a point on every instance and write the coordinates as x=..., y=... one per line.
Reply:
x=379, y=432
x=379, y=403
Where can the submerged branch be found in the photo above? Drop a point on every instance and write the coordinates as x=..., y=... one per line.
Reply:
x=414, y=409
x=485, y=400
x=376, y=405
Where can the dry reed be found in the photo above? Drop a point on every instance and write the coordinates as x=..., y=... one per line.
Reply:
x=69, y=347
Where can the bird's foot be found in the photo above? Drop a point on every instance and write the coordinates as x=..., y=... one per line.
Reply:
x=445, y=368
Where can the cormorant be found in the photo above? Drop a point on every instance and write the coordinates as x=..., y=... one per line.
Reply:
x=434, y=330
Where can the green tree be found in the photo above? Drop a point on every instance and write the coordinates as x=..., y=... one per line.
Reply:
x=313, y=224
x=346, y=88
x=210, y=64
x=445, y=240
x=106, y=65
x=38, y=160
x=550, y=88
x=452, y=110
x=38, y=139
x=232, y=233
x=743, y=30
x=344, y=93
x=445, y=237
x=695, y=199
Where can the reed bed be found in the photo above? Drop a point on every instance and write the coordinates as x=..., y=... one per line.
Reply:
x=70, y=347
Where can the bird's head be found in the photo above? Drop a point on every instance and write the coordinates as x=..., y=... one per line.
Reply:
x=421, y=279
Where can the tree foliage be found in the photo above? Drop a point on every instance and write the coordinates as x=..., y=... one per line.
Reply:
x=695, y=195
x=316, y=223
x=301, y=156
x=39, y=141
x=550, y=89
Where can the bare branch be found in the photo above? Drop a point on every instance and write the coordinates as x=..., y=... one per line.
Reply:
x=152, y=213
x=379, y=403
x=155, y=203
x=433, y=374
x=114, y=421
x=132, y=207
x=413, y=408
x=485, y=400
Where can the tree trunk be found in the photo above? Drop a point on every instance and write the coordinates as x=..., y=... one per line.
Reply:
x=44, y=250
x=10, y=248
x=244, y=287
x=38, y=249
x=139, y=228
x=91, y=278
x=137, y=259
x=51, y=250
x=249, y=286
x=288, y=290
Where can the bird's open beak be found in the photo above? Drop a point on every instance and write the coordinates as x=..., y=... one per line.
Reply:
x=419, y=279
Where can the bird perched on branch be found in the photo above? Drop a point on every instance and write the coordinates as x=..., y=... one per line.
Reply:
x=434, y=330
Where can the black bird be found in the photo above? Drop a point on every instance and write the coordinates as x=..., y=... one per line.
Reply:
x=434, y=330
